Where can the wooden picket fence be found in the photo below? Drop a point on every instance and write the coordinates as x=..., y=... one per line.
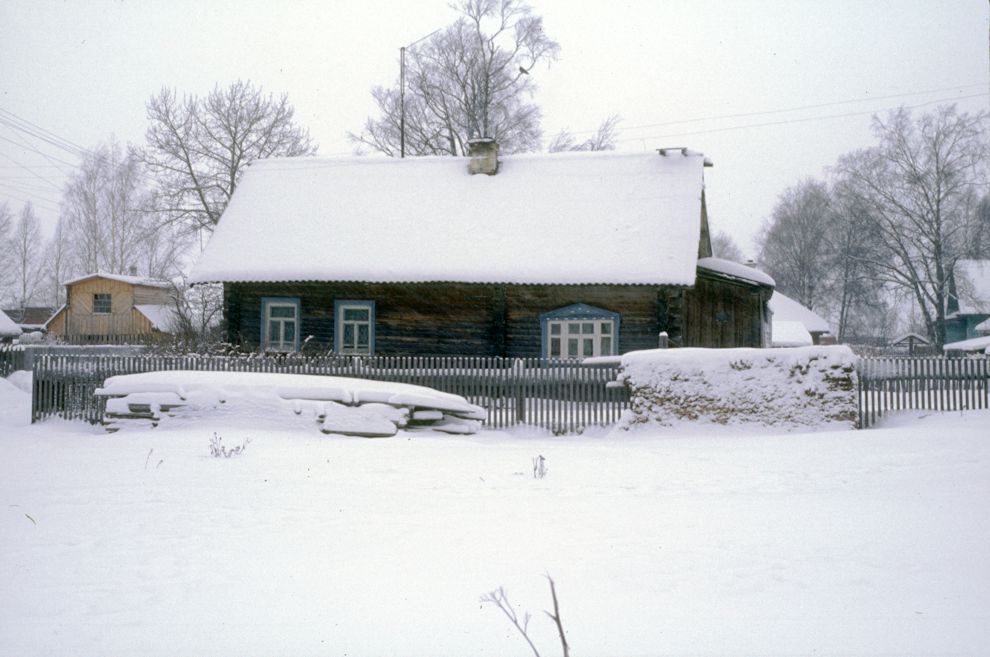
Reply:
x=931, y=383
x=560, y=395
x=11, y=358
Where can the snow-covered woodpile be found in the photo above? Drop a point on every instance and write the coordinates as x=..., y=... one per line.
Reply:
x=354, y=407
x=800, y=387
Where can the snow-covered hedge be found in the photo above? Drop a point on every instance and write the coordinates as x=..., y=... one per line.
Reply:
x=804, y=386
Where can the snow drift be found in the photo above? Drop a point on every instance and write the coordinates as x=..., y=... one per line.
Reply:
x=355, y=407
x=799, y=387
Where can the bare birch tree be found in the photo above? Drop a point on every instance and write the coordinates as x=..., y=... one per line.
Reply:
x=920, y=186
x=794, y=246
x=198, y=147
x=26, y=251
x=603, y=139
x=723, y=246
x=59, y=264
x=105, y=208
x=6, y=263
x=471, y=79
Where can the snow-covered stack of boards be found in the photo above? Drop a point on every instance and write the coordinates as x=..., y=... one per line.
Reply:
x=354, y=407
x=790, y=387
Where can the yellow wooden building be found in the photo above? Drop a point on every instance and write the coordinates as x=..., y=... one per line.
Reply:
x=113, y=308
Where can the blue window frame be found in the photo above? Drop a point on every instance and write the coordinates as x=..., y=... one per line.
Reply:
x=280, y=323
x=354, y=327
x=579, y=331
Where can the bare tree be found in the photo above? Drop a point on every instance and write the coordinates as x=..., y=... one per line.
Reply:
x=603, y=139
x=59, y=264
x=6, y=263
x=471, y=79
x=794, y=245
x=855, y=294
x=26, y=251
x=198, y=314
x=723, y=246
x=104, y=207
x=920, y=187
x=978, y=234
x=198, y=147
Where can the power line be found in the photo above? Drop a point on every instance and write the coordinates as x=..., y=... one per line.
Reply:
x=798, y=120
x=792, y=109
x=33, y=201
x=50, y=158
x=34, y=173
x=22, y=124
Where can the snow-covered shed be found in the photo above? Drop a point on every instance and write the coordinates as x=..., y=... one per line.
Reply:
x=785, y=310
x=562, y=255
x=969, y=300
x=113, y=308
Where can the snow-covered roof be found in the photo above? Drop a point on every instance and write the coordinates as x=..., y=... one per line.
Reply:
x=559, y=218
x=910, y=336
x=8, y=327
x=161, y=315
x=983, y=327
x=785, y=308
x=973, y=286
x=133, y=280
x=973, y=344
x=790, y=333
x=735, y=270
x=56, y=314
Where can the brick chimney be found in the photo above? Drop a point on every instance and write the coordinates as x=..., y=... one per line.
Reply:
x=483, y=154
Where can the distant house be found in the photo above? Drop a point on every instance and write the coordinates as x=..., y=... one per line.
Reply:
x=8, y=328
x=564, y=256
x=789, y=316
x=969, y=300
x=911, y=343
x=30, y=318
x=113, y=308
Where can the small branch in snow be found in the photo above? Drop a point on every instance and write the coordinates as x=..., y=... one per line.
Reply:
x=500, y=599
x=555, y=617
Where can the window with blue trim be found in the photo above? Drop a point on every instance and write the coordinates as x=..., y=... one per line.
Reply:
x=280, y=324
x=354, y=327
x=579, y=331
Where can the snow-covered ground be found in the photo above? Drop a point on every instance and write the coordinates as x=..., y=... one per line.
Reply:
x=686, y=542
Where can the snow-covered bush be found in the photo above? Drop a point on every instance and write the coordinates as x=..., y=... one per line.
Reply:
x=804, y=386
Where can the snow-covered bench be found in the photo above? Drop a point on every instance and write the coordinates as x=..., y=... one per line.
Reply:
x=357, y=407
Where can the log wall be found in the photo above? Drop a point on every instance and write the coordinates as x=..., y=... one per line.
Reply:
x=447, y=319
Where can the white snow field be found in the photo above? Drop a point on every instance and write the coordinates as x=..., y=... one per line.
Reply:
x=681, y=541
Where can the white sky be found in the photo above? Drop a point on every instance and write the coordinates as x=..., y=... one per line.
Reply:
x=84, y=70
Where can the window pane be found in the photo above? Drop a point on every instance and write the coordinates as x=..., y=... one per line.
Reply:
x=362, y=337
x=289, y=332
x=274, y=332
x=588, y=327
x=574, y=327
x=555, y=347
x=589, y=347
x=606, y=346
x=282, y=311
x=101, y=303
x=555, y=329
x=356, y=314
x=348, y=341
x=572, y=348
x=606, y=328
